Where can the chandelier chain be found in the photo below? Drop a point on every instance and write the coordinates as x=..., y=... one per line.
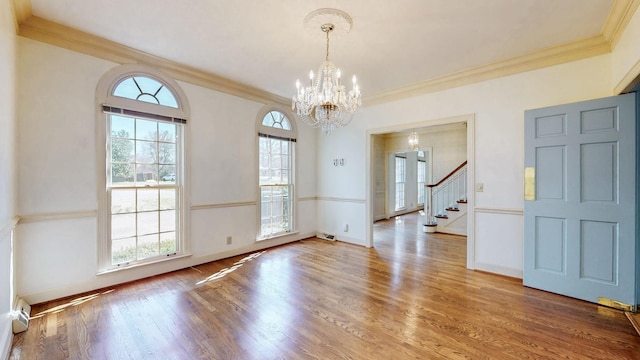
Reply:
x=328, y=30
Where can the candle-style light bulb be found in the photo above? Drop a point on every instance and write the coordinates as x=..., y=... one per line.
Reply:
x=297, y=83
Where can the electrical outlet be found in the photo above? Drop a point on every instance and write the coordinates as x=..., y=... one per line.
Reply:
x=229, y=240
x=346, y=227
x=479, y=187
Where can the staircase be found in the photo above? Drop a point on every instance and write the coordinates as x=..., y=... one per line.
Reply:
x=446, y=206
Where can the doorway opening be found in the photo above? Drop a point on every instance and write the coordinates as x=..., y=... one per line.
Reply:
x=384, y=143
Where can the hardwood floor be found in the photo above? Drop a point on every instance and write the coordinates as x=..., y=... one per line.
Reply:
x=410, y=297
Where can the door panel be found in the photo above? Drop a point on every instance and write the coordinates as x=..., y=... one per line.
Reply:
x=580, y=226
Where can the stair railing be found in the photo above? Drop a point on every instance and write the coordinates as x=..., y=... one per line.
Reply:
x=445, y=194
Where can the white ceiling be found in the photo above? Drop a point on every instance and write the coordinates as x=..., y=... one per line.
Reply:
x=263, y=43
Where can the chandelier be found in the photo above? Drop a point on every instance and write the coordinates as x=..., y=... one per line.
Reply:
x=325, y=102
x=414, y=142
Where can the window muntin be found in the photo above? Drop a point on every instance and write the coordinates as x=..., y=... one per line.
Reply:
x=275, y=175
x=422, y=178
x=143, y=189
x=401, y=166
x=276, y=119
x=145, y=89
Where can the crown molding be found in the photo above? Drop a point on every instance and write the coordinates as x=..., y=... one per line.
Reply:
x=52, y=33
x=39, y=29
x=21, y=11
x=619, y=17
x=556, y=55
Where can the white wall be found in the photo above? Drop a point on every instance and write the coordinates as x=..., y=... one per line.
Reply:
x=7, y=169
x=498, y=106
x=56, y=254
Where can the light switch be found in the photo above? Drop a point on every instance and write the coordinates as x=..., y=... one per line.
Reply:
x=479, y=187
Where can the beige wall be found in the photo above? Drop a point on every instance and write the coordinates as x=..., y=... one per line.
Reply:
x=7, y=169
x=56, y=162
x=58, y=174
x=498, y=107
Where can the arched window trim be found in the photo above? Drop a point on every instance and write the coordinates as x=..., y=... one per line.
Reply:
x=263, y=129
x=115, y=76
x=105, y=100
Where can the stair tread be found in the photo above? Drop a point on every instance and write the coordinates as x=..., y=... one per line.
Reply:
x=461, y=201
x=453, y=209
x=442, y=216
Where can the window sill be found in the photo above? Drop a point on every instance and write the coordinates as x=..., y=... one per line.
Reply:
x=137, y=265
x=278, y=236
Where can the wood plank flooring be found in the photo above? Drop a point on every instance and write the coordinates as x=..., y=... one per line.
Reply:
x=409, y=297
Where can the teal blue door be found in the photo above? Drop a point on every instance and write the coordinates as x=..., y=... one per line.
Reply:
x=579, y=212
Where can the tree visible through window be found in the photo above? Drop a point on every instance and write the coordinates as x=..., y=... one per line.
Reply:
x=276, y=158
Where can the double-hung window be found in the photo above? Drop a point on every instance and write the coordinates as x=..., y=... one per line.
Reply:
x=422, y=178
x=401, y=172
x=276, y=146
x=144, y=177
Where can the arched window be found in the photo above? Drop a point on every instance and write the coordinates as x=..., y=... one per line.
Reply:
x=142, y=120
x=276, y=154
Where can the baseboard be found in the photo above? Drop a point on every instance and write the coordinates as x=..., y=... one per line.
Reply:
x=635, y=320
x=350, y=240
x=500, y=270
x=6, y=340
x=127, y=275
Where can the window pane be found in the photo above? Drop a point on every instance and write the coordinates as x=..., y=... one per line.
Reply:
x=167, y=220
x=123, y=250
x=148, y=246
x=122, y=150
x=148, y=223
x=276, y=120
x=168, y=199
x=166, y=98
x=123, y=225
x=146, y=152
x=148, y=98
x=146, y=174
x=122, y=127
x=148, y=85
x=167, y=173
x=145, y=89
x=167, y=132
x=127, y=89
x=146, y=130
x=148, y=199
x=123, y=201
x=122, y=174
x=166, y=153
x=168, y=244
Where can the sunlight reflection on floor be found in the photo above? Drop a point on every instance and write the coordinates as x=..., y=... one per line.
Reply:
x=223, y=272
x=74, y=302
